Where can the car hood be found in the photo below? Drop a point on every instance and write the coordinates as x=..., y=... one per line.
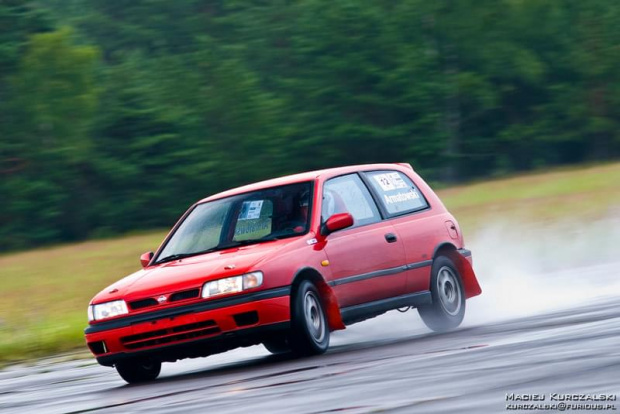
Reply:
x=190, y=272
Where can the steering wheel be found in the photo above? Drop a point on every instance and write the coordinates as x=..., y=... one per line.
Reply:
x=290, y=227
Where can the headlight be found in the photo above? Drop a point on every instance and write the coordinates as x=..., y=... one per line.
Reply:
x=107, y=310
x=232, y=284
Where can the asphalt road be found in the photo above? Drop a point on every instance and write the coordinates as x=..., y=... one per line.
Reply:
x=391, y=363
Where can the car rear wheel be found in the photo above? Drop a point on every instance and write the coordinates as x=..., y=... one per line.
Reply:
x=277, y=345
x=139, y=370
x=309, y=329
x=447, y=310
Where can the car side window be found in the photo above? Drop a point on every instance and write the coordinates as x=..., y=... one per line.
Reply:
x=348, y=194
x=397, y=192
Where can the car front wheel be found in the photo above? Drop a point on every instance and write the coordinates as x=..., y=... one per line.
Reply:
x=136, y=371
x=447, y=310
x=309, y=330
x=277, y=345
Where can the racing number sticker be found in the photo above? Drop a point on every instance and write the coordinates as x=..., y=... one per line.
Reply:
x=397, y=192
x=385, y=182
x=390, y=181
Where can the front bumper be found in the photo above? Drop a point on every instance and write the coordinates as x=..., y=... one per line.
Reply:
x=199, y=329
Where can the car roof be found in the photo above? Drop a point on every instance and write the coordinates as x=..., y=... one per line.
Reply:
x=302, y=177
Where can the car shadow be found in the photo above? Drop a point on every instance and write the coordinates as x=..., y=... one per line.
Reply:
x=253, y=367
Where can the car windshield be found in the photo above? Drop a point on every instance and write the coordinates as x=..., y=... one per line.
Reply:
x=253, y=217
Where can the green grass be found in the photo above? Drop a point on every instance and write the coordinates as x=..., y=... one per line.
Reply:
x=584, y=194
x=45, y=291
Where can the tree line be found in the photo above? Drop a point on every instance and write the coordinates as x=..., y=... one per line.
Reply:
x=117, y=115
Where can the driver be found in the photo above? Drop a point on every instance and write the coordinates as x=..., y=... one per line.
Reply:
x=297, y=219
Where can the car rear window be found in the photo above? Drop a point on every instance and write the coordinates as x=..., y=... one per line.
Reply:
x=397, y=192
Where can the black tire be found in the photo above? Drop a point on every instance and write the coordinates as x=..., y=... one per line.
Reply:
x=139, y=370
x=309, y=329
x=448, y=307
x=277, y=345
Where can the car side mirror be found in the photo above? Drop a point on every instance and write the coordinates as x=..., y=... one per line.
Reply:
x=145, y=259
x=337, y=222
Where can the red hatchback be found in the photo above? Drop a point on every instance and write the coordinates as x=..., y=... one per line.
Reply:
x=284, y=262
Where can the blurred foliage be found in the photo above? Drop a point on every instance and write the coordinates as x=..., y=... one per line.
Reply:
x=118, y=115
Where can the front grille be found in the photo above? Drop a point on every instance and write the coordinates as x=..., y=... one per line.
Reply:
x=169, y=335
x=175, y=297
x=186, y=294
x=143, y=303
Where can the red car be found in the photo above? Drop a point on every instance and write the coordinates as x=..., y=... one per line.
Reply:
x=284, y=262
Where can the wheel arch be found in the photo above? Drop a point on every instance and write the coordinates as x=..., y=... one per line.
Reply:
x=334, y=319
x=470, y=282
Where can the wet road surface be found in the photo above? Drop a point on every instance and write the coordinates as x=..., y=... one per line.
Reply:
x=391, y=363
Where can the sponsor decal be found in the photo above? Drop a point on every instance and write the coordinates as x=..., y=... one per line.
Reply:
x=401, y=197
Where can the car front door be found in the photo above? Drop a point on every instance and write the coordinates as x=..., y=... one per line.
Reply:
x=367, y=259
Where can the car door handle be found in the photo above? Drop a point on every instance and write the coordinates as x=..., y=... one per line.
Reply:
x=390, y=237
